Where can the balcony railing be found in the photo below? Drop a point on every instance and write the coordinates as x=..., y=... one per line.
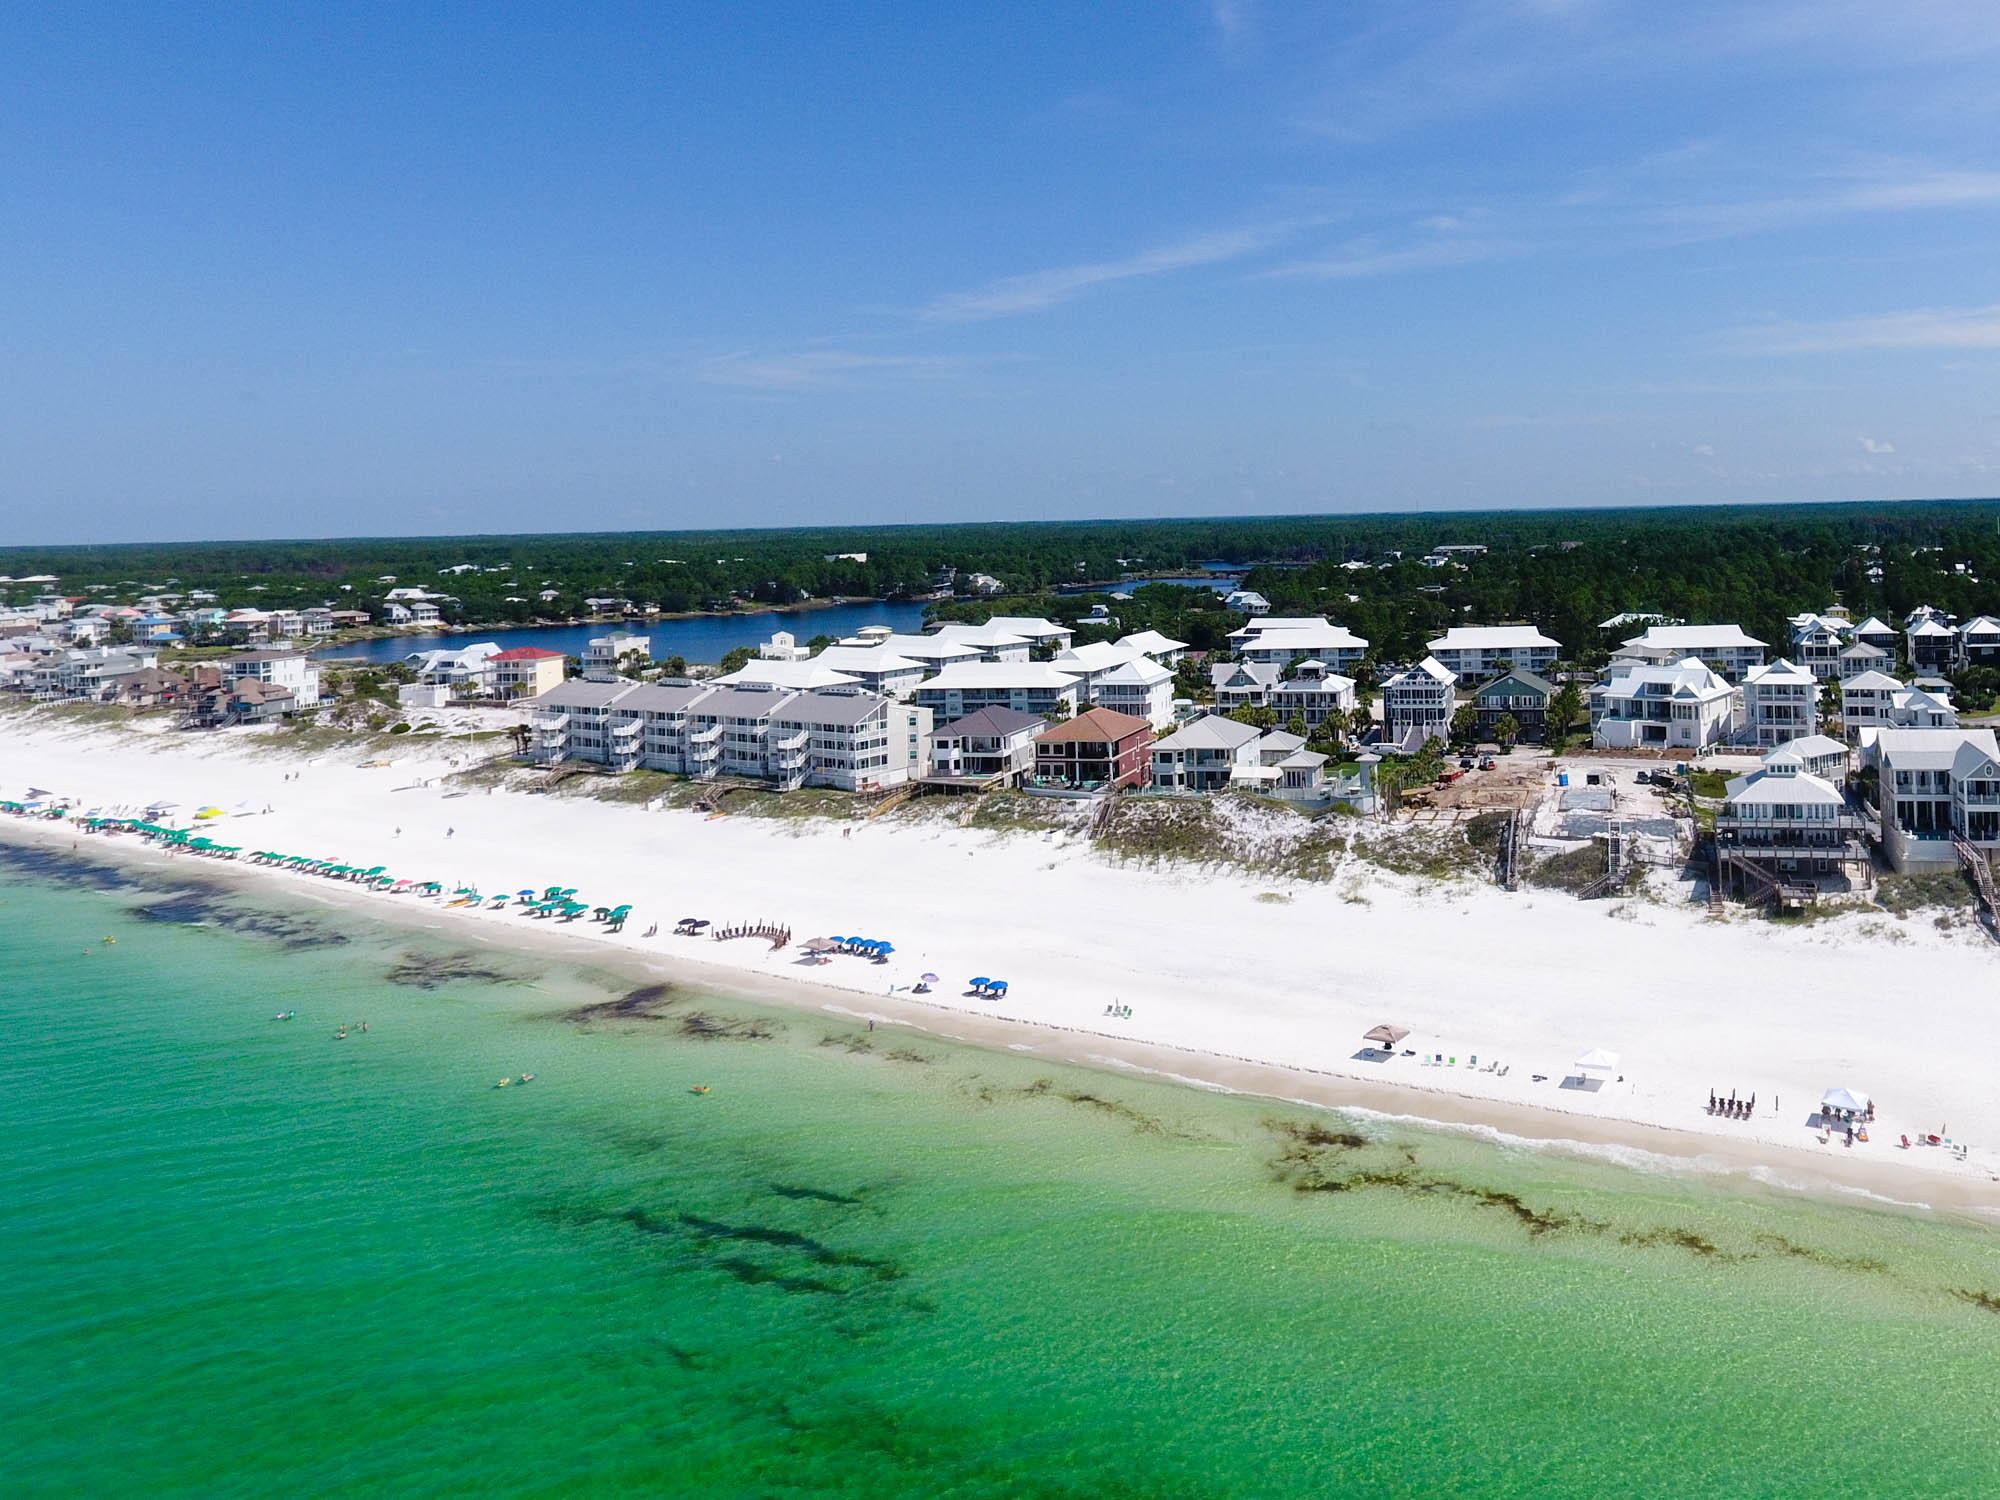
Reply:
x=794, y=741
x=706, y=736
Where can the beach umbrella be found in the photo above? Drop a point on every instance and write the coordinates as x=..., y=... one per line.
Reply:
x=818, y=945
x=1385, y=1034
x=927, y=979
x=1597, y=1060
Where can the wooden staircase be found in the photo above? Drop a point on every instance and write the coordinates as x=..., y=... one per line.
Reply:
x=1976, y=865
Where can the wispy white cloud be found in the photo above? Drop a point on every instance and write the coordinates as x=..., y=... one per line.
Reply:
x=1919, y=328
x=825, y=369
x=1037, y=290
x=1361, y=261
x=1869, y=445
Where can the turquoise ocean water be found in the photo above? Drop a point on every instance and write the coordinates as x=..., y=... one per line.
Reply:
x=244, y=1257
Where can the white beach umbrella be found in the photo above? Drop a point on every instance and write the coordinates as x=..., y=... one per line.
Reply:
x=1597, y=1060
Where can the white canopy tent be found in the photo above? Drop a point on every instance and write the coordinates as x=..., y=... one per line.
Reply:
x=1597, y=1060
x=1846, y=1101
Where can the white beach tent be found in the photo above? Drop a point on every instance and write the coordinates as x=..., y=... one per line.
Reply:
x=1845, y=1100
x=1597, y=1060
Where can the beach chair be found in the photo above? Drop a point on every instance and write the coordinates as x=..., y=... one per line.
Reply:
x=1472, y=1061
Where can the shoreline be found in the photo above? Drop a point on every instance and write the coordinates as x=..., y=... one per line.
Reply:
x=1743, y=1162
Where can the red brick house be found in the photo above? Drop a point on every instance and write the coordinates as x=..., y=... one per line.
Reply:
x=1097, y=749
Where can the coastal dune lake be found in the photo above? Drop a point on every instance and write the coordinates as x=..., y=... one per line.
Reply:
x=251, y=1257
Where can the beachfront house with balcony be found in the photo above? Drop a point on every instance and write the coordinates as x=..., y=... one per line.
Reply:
x=1725, y=649
x=993, y=747
x=965, y=687
x=1861, y=657
x=1311, y=694
x=782, y=646
x=1097, y=751
x=1204, y=754
x=1247, y=602
x=846, y=738
x=1936, y=786
x=1473, y=653
x=286, y=669
x=1417, y=705
x=524, y=672
x=1785, y=831
x=1780, y=702
x=1865, y=702
x=1520, y=695
x=464, y=671
x=1821, y=754
x=1682, y=705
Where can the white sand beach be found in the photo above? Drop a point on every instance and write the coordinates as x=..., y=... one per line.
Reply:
x=1231, y=980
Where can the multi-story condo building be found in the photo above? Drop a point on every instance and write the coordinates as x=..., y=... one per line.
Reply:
x=876, y=668
x=286, y=669
x=1780, y=703
x=602, y=657
x=1163, y=649
x=1929, y=642
x=1936, y=786
x=840, y=736
x=1872, y=632
x=1683, y=705
x=1417, y=705
x=525, y=672
x=1477, y=652
x=1046, y=635
x=1140, y=687
x=993, y=642
x=1724, y=648
x=1979, y=641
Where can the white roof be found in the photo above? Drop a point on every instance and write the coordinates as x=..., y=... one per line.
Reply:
x=1778, y=671
x=1209, y=732
x=1151, y=642
x=1762, y=788
x=1597, y=1060
x=1429, y=667
x=1329, y=682
x=1098, y=656
x=1931, y=749
x=1032, y=627
x=1811, y=747
x=1282, y=622
x=1492, y=638
x=1694, y=638
x=1688, y=678
x=1871, y=679
x=785, y=674
x=1263, y=673
x=928, y=648
x=1306, y=638
x=867, y=659
x=1930, y=627
x=1873, y=626
x=999, y=674
x=988, y=635
x=1141, y=671
x=1985, y=625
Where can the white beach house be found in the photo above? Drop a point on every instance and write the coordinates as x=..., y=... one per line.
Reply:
x=1140, y=687
x=1163, y=649
x=1780, y=703
x=603, y=656
x=992, y=641
x=1046, y=635
x=1243, y=684
x=1417, y=705
x=1936, y=785
x=1476, y=652
x=1682, y=705
x=1817, y=641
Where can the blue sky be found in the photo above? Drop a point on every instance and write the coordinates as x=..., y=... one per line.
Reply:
x=286, y=271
